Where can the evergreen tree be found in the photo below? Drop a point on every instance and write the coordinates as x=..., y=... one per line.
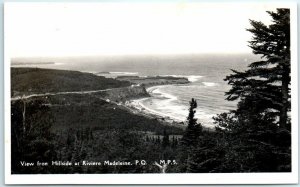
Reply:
x=264, y=87
x=165, y=140
x=258, y=131
x=147, y=139
x=174, y=142
x=193, y=129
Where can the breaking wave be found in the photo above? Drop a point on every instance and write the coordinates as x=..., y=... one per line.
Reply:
x=209, y=84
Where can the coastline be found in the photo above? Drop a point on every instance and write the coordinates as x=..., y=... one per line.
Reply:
x=128, y=97
x=150, y=83
x=136, y=106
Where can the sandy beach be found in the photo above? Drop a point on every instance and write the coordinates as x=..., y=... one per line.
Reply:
x=139, y=106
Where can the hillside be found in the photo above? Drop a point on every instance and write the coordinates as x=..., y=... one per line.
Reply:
x=35, y=80
x=78, y=127
x=81, y=126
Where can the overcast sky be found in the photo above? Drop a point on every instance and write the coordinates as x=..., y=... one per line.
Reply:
x=80, y=29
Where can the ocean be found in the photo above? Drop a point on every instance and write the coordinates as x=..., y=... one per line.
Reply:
x=205, y=73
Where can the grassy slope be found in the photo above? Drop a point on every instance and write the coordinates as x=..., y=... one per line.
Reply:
x=36, y=80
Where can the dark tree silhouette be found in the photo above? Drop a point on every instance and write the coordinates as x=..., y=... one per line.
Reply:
x=193, y=129
x=264, y=87
x=258, y=131
x=165, y=140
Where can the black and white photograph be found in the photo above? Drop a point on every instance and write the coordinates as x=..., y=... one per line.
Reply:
x=205, y=91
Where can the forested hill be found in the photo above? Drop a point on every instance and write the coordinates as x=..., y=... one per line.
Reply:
x=35, y=80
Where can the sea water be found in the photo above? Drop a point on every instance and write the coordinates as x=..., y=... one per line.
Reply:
x=205, y=72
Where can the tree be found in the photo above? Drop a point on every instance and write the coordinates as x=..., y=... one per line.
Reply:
x=193, y=129
x=165, y=140
x=258, y=131
x=35, y=142
x=264, y=87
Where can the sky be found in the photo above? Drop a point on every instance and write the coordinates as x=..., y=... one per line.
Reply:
x=95, y=29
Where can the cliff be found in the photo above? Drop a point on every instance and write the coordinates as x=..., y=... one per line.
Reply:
x=125, y=93
x=151, y=81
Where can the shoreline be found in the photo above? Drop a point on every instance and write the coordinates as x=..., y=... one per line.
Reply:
x=136, y=107
x=151, y=83
x=131, y=98
x=134, y=99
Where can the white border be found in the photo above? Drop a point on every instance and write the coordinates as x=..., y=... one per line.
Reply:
x=205, y=178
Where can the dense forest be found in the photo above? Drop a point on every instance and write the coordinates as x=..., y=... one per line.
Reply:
x=255, y=137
